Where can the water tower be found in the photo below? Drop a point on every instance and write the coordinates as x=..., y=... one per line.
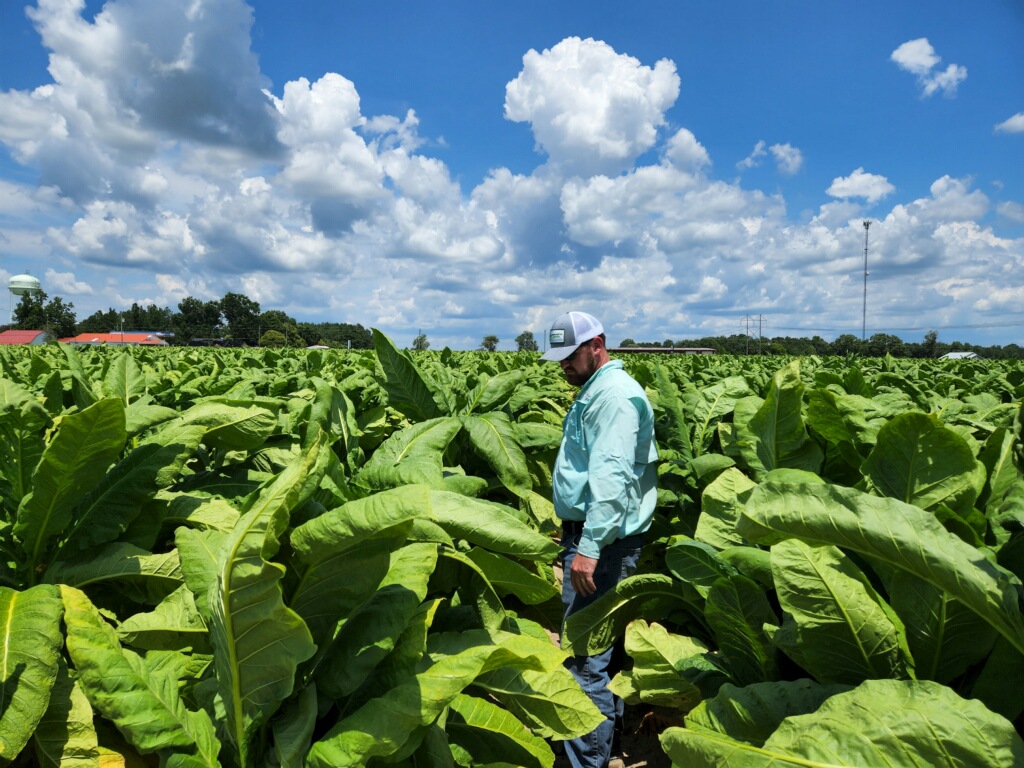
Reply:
x=19, y=285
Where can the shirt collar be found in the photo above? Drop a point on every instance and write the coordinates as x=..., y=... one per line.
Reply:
x=607, y=366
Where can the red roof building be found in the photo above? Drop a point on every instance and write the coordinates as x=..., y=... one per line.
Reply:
x=24, y=337
x=117, y=339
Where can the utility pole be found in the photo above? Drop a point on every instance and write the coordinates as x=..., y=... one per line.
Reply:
x=864, y=314
x=748, y=319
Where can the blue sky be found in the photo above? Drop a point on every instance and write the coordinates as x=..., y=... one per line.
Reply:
x=468, y=169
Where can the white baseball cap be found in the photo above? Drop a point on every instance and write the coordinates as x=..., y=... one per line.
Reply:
x=568, y=332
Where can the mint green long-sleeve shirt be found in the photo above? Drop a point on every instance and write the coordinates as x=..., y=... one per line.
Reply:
x=605, y=473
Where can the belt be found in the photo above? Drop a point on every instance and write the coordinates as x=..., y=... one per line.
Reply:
x=572, y=527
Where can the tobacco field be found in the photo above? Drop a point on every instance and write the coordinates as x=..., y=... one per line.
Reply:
x=258, y=557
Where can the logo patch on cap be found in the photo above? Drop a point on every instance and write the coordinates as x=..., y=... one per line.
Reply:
x=557, y=337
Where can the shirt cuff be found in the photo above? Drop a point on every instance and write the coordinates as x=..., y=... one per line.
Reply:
x=588, y=547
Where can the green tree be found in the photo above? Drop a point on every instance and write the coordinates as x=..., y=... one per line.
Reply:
x=525, y=342
x=156, y=318
x=273, y=339
x=881, y=344
x=345, y=335
x=930, y=345
x=60, y=318
x=242, y=315
x=30, y=313
x=627, y=343
x=276, y=320
x=845, y=344
x=36, y=312
x=99, y=322
x=490, y=343
x=197, y=319
x=420, y=342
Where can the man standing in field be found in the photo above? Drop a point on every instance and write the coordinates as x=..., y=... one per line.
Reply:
x=605, y=489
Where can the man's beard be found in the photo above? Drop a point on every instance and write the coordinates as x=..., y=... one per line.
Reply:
x=576, y=378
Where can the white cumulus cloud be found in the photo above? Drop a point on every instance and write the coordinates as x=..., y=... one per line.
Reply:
x=870, y=186
x=592, y=110
x=918, y=57
x=66, y=283
x=788, y=158
x=1013, y=124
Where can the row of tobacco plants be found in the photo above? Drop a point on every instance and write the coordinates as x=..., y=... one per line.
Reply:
x=306, y=558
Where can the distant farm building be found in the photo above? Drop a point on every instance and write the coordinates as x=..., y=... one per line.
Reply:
x=24, y=337
x=120, y=339
x=960, y=356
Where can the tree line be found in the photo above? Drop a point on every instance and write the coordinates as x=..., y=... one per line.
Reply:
x=238, y=320
x=878, y=345
x=233, y=320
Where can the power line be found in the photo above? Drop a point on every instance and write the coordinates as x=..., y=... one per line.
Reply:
x=1006, y=324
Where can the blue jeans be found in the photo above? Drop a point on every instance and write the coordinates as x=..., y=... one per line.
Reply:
x=618, y=560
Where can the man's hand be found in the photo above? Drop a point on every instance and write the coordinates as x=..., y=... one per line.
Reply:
x=582, y=575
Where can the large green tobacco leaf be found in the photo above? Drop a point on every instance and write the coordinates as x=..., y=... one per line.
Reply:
x=175, y=623
x=902, y=536
x=775, y=435
x=994, y=686
x=945, y=637
x=293, y=728
x=29, y=652
x=432, y=752
x=124, y=379
x=333, y=412
x=22, y=421
x=372, y=629
x=66, y=736
x=549, y=701
x=144, y=705
x=487, y=734
x=153, y=576
x=696, y=563
x=881, y=722
x=921, y=461
x=342, y=556
x=751, y=714
x=106, y=512
x=142, y=415
x=721, y=506
x=673, y=428
x=494, y=438
x=490, y=525
x=407, y=389
x=494, y=391
x=510, y=578
x=737, y=609
x=835, y=627
x=258, y=641
x=998, y=457
x=78, y=456
x=227, y=426
x=458, y=572
x=384, y=724
x=660, y=659
x=412, y=455
x=841, y=418
x=711, y=405
x=651, y=596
